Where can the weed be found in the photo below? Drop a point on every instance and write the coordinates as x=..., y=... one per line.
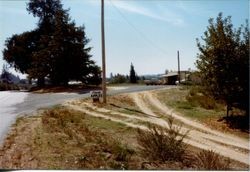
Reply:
x=209, y=160
x=163, y=144
x=60, y=117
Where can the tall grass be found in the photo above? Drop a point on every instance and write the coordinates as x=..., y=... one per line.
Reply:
x=209, y=160
x=163, y=144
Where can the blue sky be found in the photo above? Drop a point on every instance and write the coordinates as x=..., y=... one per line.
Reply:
x=147, y=33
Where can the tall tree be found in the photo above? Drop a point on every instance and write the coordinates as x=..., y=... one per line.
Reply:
x=132, y=76
x=223, y=62
x=19, y=49
x=56, y=49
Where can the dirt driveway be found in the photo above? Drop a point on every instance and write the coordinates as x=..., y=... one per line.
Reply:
x=199, y=135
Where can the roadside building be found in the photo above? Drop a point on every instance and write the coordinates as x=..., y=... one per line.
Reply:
x=171, y=78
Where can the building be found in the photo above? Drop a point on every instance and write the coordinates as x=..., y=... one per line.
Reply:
x=171, y=78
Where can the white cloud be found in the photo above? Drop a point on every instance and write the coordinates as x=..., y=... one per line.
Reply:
x=165, y=15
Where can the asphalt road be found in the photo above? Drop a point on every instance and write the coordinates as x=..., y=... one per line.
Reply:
x=28, y=103
x=35, y=101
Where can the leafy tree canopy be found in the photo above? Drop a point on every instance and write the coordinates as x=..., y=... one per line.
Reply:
x=55, y=49
x=223, y=62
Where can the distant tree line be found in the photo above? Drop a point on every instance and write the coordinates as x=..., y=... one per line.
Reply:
x=119, y=78
x=8, y=81
x=56, y=49
x=223, y=62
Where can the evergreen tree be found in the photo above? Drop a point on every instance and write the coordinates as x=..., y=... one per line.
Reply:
x=132, y=76
x=223, y=62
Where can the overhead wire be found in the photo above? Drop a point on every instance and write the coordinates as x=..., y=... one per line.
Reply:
x=137, y=30
x=129, y=23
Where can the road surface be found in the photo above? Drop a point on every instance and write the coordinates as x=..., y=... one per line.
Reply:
x=14, y=104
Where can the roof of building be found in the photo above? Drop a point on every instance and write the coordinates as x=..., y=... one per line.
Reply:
x=170, y=74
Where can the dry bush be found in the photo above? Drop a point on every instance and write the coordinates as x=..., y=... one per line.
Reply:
x=163, y=144
x=209, y=160
x=61, y=118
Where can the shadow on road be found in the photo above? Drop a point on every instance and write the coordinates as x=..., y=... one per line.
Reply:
x=79, y=89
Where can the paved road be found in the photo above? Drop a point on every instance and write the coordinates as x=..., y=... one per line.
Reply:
x=14, y=104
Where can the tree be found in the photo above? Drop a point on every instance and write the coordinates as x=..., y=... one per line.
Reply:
x=119, y=79
x=132, y=76
x=19, y=49
x=223, y=62
x=5, y=75
x=56, y=49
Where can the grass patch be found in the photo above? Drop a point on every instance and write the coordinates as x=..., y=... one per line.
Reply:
x=176, y=98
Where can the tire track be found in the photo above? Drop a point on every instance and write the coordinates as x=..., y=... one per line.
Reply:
x=223, y=144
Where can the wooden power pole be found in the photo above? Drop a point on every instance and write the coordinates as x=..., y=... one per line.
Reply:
x=179, y=72
x=103, y=54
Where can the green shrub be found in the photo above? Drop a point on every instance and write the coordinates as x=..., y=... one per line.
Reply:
x=6, y=86
x=163, y=144
x=209, y=160
x=197, y=97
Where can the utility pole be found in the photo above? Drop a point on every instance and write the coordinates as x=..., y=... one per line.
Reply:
x=103, y=55
x=179, y=72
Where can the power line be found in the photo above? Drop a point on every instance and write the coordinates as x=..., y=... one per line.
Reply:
x=142, y=34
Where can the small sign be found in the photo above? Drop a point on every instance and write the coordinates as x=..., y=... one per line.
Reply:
x=96, y=94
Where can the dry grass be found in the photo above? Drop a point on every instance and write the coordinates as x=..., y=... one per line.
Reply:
x=93, y=149
x=163, y=144
x=123, y=103
x=209, y=160
x=66, y=139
